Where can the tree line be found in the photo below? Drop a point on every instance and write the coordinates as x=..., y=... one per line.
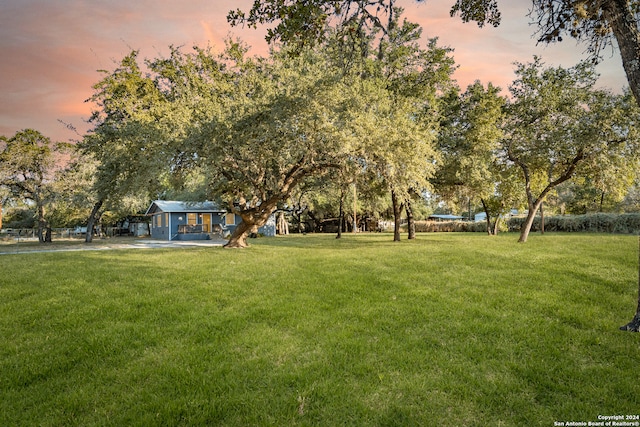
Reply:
x=369, y=106
x=349, y=95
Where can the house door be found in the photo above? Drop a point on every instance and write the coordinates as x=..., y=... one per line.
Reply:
x=206, y=223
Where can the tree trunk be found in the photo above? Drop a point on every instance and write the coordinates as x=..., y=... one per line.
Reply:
x=623, y=23
x=411, y=223
x=238, y=238
x=99, y=225
x=42, y=223
x=340, y=215
x=355, y=207
x=92, y=220
x=542, y=217
x=252, y=219
x=496, y=226
x=488, y=219
x=314, y=223
x=282, y=225
x=526, y=228
x=397, y=215
x=634, y=325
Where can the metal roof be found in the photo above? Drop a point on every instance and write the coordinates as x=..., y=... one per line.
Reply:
x=181, y=206
x=445, y=216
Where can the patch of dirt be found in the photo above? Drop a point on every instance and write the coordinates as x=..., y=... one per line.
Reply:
x=28, y=246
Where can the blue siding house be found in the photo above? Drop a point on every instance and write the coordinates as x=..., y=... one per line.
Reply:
x=178, y=220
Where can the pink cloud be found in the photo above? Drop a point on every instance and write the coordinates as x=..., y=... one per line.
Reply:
x=488, y=53
x=51, y=49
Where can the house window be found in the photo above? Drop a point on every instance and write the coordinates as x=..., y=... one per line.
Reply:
x=192, y=219
x=159, y=220
x=230, y=219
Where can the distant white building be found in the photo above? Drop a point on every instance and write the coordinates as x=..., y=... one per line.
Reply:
x=445, y=217
x=482, y=216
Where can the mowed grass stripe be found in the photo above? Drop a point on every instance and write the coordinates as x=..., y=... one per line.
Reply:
x=450, y=329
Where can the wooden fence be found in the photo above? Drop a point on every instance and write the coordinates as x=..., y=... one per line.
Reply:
x=59, y=233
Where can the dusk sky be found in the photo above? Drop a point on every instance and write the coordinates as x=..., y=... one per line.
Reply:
x=51, y=49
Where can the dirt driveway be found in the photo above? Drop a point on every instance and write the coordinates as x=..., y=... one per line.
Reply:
x=23, y=247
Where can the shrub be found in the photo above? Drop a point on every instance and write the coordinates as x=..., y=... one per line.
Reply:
x=451, y=226
x=590, y=223
x=628, y=223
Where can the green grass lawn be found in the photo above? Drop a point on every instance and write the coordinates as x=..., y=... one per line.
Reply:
x=447, y=330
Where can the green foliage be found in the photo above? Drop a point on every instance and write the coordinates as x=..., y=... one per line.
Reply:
x=296, y=20
x=469, y=140
x=256, y=128
x=631, y=202
x=449, y=330
x=612, y=193
x=399, y=101
x=284, y=126
x=28, y=164
x=400, y=142
x=28, y=155
x=390, y=143
x=595, y=22
x=590, y=223
x=451, y=227
x=351, y=89
x=480, y=11
x=559, y=126
x=253, y=127
x=309, y=23
x=125, y=143
x=19, y=217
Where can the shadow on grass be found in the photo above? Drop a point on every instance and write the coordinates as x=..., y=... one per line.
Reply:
x=347, y=241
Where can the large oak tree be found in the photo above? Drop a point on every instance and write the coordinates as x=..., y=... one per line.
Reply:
x=469, y=142
x=283, y=123
x=403, y=118
x=126, y=145
x=27, y=167
x=558, y=124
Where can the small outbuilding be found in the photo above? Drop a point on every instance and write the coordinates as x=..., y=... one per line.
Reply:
x=445, y=218
x=179, y=220
x=482, y=216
